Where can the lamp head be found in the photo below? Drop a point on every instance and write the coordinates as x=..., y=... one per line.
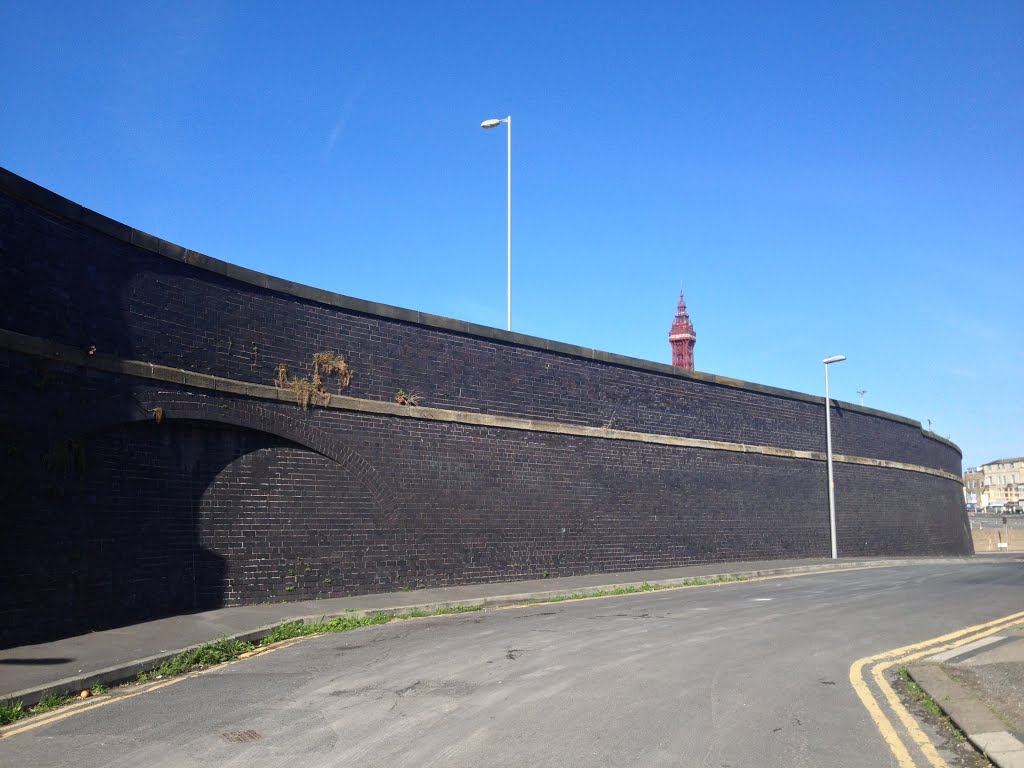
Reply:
x=492, y=123
x=836, y=359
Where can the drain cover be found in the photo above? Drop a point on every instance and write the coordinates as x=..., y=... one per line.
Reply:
x=237, y=737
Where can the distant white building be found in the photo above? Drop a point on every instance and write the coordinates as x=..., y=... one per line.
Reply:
x=998, y=484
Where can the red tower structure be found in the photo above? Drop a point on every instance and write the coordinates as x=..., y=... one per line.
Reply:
x=682, y=337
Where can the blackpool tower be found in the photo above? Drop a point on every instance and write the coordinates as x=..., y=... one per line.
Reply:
x=682, y=337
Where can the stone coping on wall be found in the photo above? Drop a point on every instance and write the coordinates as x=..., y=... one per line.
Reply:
x=42, y=348
x=40, y=197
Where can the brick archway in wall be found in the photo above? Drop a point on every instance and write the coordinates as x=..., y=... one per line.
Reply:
x=221, y=503
x=251, y=415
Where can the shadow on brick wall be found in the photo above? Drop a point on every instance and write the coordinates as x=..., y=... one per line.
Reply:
x=105, y=532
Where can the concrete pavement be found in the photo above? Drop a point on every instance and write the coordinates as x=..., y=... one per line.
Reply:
x=981, y=687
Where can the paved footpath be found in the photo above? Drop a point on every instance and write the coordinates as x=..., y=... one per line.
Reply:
x=981, y=688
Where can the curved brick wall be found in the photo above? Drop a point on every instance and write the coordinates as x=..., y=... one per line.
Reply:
x=534, y=457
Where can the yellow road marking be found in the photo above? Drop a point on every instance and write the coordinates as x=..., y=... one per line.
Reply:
x=889, y=734
x=884, y=661
x=878, y=673
x=917, y=735
x=63, y=714
x=56, y=717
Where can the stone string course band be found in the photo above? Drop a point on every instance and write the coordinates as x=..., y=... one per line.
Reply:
x=41, y=348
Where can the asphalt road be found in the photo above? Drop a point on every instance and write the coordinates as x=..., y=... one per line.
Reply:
x=745, y=674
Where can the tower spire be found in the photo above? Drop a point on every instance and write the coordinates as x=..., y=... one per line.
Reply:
x=682, y=337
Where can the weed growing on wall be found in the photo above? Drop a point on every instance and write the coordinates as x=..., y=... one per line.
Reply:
x=282, y=376
x=313, y=390
x=330, y=364
x=408, y=398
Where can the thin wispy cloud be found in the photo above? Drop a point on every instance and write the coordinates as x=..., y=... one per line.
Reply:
x=965, y=373
x=344, y=112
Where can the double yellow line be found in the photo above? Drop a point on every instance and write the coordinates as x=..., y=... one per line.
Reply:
x=873, y=669
x=123, y=694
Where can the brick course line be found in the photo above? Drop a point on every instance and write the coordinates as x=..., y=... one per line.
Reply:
x=23, y=190
x=41, y=348
x=54, y=206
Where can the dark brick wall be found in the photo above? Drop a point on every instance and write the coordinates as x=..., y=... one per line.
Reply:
x=112, y=517
x=83, y=289
x=198, y=511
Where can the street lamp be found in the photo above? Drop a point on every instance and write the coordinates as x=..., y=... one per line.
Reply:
x=828, y=453
x=494, y=123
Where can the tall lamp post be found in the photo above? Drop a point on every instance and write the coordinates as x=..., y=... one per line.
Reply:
x=494, y=123
x=828, y=453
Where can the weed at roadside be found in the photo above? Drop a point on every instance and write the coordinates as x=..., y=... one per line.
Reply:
x=340, y=624
x=633, y=589
x=346, y=623
x=918, y=694
x=11, y=711
x=451, y=611
x=205, y=655
x=53, y=701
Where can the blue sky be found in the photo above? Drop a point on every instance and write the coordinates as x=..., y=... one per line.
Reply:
x=820, y=179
